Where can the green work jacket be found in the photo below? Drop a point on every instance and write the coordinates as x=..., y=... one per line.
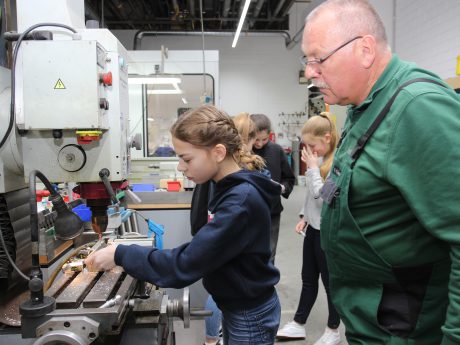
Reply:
x=394, y=229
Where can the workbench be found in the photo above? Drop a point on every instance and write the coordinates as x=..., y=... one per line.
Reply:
x=161, y=201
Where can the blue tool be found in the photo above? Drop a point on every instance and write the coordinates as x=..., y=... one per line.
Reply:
x=125, y=214
x=158, y=230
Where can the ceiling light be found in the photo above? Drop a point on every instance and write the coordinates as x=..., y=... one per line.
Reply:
x=184, y=100
x=240, y=23
x=174, y=91
x=154, y=81
x=164, y=81
x=164, y=92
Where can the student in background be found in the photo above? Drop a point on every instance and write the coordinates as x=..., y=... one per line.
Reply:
x=320, y=138
x=279, y=168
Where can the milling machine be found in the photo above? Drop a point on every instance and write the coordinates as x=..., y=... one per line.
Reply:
x=64, y=117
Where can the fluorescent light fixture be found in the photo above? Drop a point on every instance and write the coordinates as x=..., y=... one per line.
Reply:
x=174, y=91
x=165, y=92
x=172, y=81
x=184, y=100
x=154, y=81
x=150, y=119
x=240, y=23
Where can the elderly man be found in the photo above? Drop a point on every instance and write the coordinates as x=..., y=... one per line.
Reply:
x=391, y=220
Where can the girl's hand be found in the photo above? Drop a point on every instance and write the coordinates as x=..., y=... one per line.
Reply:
x=101, y=260
x=300, y=225
x=310, y=158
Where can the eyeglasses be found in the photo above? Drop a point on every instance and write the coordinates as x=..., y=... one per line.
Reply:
x=304, y=60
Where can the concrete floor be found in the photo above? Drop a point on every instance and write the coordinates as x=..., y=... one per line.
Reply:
x=289, y=262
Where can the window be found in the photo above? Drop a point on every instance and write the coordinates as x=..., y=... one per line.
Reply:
x=161, y=99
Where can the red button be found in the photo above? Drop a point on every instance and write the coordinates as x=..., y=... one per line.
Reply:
x=107, y=78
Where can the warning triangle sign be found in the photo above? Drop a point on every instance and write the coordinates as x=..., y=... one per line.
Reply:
x=59, y=84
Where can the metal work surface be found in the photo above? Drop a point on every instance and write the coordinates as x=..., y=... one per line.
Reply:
x=81, y=294
x=102, y=289
x=74, y=293
x=155, y=200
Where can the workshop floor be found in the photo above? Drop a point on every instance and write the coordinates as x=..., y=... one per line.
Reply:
x=289, y=262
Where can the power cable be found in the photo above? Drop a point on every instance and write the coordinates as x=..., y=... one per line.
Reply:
x=202, y=40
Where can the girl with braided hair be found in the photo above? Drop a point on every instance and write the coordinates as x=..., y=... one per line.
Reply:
x=199, y=212
x=232, y=251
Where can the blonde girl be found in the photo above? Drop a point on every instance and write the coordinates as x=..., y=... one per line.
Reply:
x=248, y=130
x=320, y=138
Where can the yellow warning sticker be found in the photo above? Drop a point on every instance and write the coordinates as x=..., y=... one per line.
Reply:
x=59, y=84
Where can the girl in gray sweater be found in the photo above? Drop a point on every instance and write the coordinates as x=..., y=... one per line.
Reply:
x=320, y=138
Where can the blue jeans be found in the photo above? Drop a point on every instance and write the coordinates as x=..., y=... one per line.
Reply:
x=212, y=322
x=254, y=326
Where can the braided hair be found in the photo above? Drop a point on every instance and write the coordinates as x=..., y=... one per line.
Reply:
x=207, y=126
x=248, y=130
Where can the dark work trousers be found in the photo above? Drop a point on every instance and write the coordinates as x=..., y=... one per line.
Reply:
x=314, y=263
x=274, y=234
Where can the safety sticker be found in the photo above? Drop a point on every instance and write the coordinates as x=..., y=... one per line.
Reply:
x=59, y=84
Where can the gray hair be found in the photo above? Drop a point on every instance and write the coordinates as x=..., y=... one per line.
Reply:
x=353, y=17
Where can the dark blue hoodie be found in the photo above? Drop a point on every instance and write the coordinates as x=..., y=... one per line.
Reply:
x=231, y=252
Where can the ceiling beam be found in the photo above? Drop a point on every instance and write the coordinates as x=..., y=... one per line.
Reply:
x=191, y=7
x=278, y=8
x=256, y=12
x=226, y=8
x=258, y=7
x=288, y=6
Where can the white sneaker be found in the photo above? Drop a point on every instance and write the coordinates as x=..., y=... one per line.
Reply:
x=291, y=330
x=329, y=337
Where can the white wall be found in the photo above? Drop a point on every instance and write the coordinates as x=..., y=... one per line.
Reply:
x=428, y=33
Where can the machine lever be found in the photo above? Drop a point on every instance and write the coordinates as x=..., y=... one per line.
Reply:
x=201, y=313
x=111, y=302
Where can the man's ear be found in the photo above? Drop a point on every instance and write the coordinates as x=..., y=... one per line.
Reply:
x=368, y=50
x=219, y=152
